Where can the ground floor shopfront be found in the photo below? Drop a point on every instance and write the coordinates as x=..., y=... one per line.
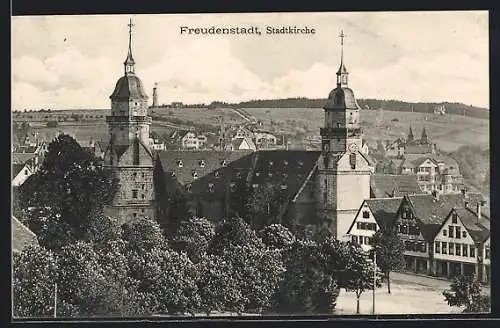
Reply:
x=446, y=269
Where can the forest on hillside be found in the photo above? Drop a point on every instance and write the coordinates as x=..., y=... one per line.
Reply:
x=369, y=104
x=474, y=164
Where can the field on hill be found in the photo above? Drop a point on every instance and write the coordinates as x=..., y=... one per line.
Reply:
x=450, y=131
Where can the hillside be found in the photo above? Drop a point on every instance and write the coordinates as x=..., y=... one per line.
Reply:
x=370, y=104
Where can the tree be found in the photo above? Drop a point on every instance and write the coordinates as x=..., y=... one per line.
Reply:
x=390, y=252
x=193, y=237
x=143, y=235
x=217, y=287
x=264, y=206
x=465, y=290
x=310, y=288
x=178, y=211
x=71, y=185
x=357, y=274
x=277, y=236
x=233, y=232
x=103, y=229
x=174, y=289
x=34, y=273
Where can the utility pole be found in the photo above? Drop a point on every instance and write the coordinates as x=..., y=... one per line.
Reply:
x=55, y=300
x=374, y=276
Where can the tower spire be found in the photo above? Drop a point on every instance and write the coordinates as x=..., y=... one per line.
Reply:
x=129, y=61
x=342, y=72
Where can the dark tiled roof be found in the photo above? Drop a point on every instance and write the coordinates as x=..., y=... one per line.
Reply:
x=386, y=185
x=418, y=149
x=16, y=168
x=287, y=170
x=128, y=86
x=200, y=162
x=21, y=235
x=479, y=229
x=21, y=158
x=384, y=209
x=341, y=98
x=432, y=212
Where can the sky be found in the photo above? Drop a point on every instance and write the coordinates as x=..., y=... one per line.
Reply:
x=71, y=62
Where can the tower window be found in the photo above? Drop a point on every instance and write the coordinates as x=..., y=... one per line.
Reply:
x=352, y=161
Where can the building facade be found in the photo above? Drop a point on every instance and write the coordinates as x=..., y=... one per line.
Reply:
x=128, y=154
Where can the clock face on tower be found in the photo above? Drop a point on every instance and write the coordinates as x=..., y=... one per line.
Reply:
x=353, y=147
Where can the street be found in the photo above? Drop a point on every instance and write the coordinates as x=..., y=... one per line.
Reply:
x=410, y=294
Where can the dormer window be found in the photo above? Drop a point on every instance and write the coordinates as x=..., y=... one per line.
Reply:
x=195, y=175
x=211, y=187
x=202, y=163
x=285, y=162
x=179, y=163
x=285, y=175
x=255, y=186
x=232, y=186
x=217, y=174
x=188, y=188
x=271, y=163
x=238, y=175
x=173, y=174
x=284, y=186
x=257, y=174
x=269, y=174
x=224, y=163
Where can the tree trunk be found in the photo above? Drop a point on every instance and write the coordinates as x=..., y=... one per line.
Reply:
x=357, y=303
x=388, y=283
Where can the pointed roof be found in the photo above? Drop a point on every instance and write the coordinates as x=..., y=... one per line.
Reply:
x=423, y=138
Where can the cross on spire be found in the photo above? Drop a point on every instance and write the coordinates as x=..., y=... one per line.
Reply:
x=342, y=72
x=129, y=62
x=130, y=25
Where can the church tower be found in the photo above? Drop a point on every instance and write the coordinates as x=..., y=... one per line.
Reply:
x=343, y=171
x=128, y=154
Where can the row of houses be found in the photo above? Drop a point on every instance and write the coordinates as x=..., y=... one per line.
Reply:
x=444, y=235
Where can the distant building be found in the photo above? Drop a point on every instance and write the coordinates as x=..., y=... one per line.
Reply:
x=244, y=143
x=440, y=110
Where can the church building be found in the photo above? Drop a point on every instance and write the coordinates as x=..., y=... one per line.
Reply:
x=316, y=188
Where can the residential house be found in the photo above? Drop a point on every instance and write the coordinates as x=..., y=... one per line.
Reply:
x=21, y=236
x=243, y=144
x=438, y=173
x=22, y=171
x=442, y=234
x=264, y=139
x=373, y=215
x=386, y=185
x=190, y=141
